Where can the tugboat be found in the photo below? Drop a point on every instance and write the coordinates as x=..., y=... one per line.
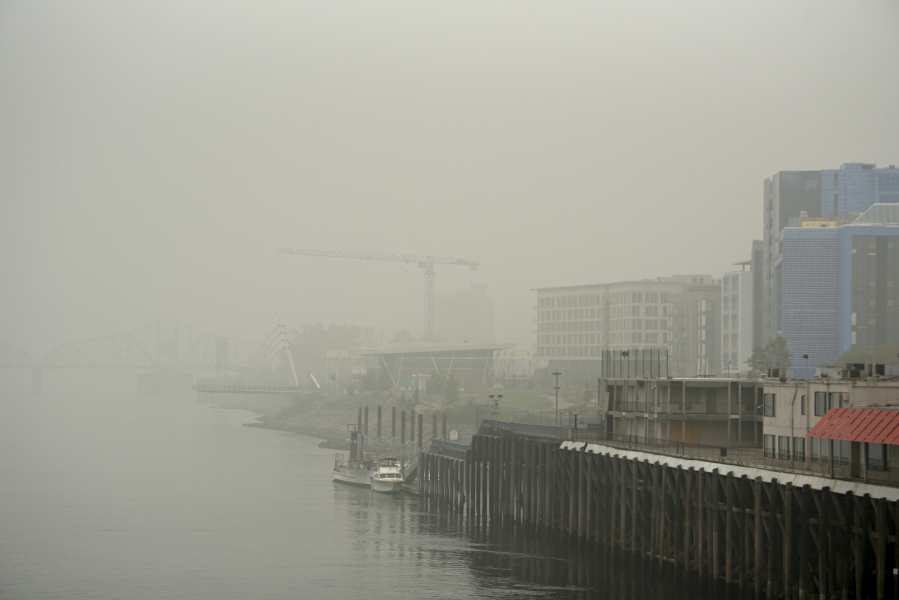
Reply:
x=388, y=479
x=362, y=465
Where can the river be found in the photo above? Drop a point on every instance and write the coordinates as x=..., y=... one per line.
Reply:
x=118, y=496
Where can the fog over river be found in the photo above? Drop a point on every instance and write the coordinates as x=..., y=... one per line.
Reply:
x=115, y=496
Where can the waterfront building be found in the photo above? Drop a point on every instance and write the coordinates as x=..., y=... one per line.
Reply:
x=838, y=287
x=827, y=197
x=695, y=411
x=795, y=437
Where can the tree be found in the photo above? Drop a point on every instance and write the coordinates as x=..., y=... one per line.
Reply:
x=884, y=354
x=774, y=355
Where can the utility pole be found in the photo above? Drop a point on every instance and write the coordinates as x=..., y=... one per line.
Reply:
x=557, y=373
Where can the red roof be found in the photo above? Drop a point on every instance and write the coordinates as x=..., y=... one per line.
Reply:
x=858, y=425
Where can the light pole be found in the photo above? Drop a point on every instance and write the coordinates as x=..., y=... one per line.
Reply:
x=557, y=373
x=805, y=356
x=495, y=400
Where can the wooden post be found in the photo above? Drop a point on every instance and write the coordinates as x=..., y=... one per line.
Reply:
x=788, y=540
x=365, y=425
x=379, y=429
x=540, y=475
x=700, y=525
x=675, y=517
x=634, y=472
x=663, y=501
x=773, y=538
x=532, y=483
x=443, y=426
x=591, y=497
x=713, y=547
x=729, y=529
x=688, y=517
x=845, y=544
x=861, y=542
x=804, y=508
x=743, y=564
x=613, y=467
x=757, y=535
x=622, y=471
x=581, y=495
x=393, y=429
x=823, y=533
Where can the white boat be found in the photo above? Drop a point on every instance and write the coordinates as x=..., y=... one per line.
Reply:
x=388, y=479
x=359, y=469
x=355, y=471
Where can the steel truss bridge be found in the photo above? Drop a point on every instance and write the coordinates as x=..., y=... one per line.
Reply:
x=160, y=346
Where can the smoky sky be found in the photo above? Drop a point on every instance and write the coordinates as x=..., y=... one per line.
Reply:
x=154, y=155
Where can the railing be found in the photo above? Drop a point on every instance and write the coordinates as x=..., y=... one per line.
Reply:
x=451, y=449
x=696, y=408
x=535, y=430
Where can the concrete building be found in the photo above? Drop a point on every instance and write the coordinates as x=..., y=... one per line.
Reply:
x=791, y=410
x=838, y=287
x=737, y=312
x=706, y=412
x=817, y=195
x=465, y=316
x=576, y=323
x=694, y=324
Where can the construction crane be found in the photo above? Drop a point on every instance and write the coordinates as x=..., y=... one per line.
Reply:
x=425, y=262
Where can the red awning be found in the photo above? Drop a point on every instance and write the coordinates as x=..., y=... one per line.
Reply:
x=858, y=425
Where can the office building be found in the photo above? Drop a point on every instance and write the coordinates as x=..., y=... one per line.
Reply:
x=838, y=287
x=814, y=198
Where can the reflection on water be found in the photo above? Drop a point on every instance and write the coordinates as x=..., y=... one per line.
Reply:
x=110, y=497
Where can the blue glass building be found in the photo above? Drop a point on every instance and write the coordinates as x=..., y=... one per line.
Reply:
x=837, y=287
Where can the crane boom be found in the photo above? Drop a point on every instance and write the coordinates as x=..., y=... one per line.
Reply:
x=425, y=262
x=407, y=258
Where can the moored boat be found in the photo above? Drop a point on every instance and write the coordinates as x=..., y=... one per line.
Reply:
x=359, y=469
x=388, y=478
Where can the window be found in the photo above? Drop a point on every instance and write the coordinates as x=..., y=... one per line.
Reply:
x=799, y=449
x=802, y=404
x=783, y=447
x=769, y=446
x=877, y=457
x=820, y=403
x=836, y=400
x=770, y=405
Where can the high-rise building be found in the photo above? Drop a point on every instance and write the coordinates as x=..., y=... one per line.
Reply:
x=839, y=287
x=827, y=197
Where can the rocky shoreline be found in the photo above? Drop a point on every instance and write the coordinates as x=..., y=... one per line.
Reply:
x=327, y=417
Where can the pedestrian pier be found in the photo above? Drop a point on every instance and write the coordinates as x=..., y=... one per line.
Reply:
x=755, y=532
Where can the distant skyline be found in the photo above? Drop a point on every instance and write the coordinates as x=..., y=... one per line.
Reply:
x=154, y=156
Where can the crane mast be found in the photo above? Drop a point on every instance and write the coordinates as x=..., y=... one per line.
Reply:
x=425, y=262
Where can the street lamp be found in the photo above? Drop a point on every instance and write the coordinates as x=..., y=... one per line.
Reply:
x=557, y=373
x=805, y=356
x=626, y=354
x=495, y=400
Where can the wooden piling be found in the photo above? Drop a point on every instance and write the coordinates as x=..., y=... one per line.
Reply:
x=729, y=529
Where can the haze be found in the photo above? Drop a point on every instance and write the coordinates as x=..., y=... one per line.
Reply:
x=153, y=156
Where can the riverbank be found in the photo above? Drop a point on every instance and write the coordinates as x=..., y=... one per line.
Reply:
x=326, y=416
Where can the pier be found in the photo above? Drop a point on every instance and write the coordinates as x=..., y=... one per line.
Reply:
x=752, y=531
